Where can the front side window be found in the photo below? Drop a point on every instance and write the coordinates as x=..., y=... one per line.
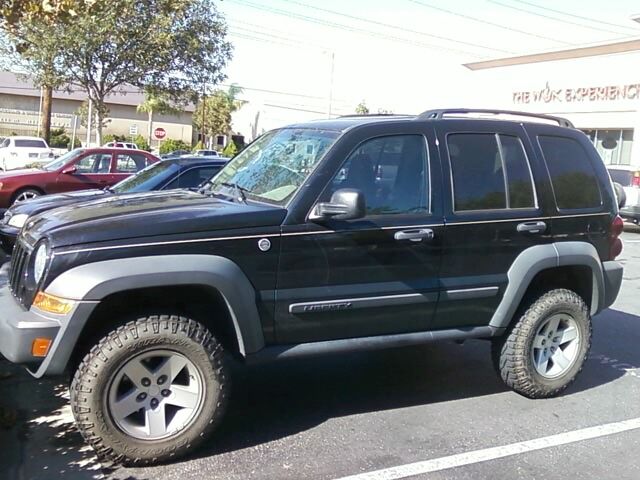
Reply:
x=273, y=167
x=62, y=160
x=96, y=163
x=573, y=177
x=148, y=179
x=489, y=172
x=391, y=172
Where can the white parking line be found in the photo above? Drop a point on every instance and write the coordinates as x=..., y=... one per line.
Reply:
x=477, y=456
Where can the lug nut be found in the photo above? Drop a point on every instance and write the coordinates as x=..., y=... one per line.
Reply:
x=162, y=379
x=141, y=397
x=154, y=403
x=145, y=382
x=166, y=392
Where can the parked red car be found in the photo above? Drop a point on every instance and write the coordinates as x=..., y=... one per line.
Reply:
x=80, y=169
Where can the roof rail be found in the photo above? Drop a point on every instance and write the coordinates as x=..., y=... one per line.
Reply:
x=441, y=113
x=356, y=115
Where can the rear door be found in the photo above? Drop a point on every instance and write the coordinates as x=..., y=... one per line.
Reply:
x=376, y=275
x=493, y=211
x=127, y=164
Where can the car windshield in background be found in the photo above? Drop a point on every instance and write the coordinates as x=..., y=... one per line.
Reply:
x=62, y=160
x=273, y=167
x=147, y=179
x=25, y=143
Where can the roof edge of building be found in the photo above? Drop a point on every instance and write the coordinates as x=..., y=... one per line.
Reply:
x=564, y=54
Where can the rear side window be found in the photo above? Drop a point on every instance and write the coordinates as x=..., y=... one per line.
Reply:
x=490, y=172
x=572, y=175
x=30, y=143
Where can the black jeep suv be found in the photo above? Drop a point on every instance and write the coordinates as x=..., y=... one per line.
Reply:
x=324, y=237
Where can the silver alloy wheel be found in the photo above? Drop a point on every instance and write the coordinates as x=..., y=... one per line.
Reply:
x=29, y=194
x=155, y=395
x=556, y=345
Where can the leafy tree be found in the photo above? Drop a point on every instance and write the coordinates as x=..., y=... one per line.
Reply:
x=170, y=145
x=213, y=115
x=12, y=12
x=199, y=146
x=362, y=108
x=98, y=113
x=156, y=103
x=173, y=46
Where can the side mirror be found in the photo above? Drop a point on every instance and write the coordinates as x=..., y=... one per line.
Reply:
x=345, y=204
x=69, y=170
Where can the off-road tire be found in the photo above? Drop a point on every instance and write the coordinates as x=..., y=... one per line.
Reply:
x=89, y=387
x=512, y=352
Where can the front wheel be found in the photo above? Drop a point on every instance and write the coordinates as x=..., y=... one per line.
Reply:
x=150, y=390
x=26, y=194
x=545, y=349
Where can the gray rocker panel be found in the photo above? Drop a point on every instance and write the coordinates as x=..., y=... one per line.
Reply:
x=95, y=281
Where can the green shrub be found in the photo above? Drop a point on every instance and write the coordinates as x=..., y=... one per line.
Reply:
x=142, y=143
x=170, y=145
x=230, y=150
x=199, y=146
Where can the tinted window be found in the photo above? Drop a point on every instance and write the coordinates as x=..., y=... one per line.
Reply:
x=519, y=181
x=623, y=177
x=30, y=143
x=130, y=163
x=193, y=177
x=574, y=180
x=476, y=168
x=96, y=163
x=391, y=172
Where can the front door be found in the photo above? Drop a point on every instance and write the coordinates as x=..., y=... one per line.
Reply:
x=372, y=276
x=91, y=171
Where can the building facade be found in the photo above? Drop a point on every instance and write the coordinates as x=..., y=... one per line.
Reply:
x=20, y=107
x=596, y=87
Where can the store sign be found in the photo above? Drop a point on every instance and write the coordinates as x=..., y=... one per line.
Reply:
x=582, y=94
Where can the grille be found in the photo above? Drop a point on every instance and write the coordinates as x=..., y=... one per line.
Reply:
x=18, y=272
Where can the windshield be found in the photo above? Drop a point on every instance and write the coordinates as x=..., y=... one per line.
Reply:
x=273, y=167
x=62, y=160
x=147, y=179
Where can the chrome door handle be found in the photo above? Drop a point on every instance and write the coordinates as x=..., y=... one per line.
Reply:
x=532, y=227
x=415, y=235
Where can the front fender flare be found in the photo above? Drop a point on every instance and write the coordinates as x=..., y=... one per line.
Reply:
x=93, y=282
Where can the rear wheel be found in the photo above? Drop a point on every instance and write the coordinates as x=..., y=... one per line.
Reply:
x=545, y=349
x=150, y=390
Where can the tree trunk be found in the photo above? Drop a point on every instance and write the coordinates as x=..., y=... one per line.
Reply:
x=150, y=127
x=99, y=121
x=45, y=119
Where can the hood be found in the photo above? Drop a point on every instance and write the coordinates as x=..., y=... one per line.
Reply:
x=19, y=172
x=148, y=214
x=47, y=202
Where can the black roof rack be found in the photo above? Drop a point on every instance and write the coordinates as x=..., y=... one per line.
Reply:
x=440, y=113
x=357, y=115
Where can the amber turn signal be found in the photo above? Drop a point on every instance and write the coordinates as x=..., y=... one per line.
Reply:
x=40, y=347
x=52, y=304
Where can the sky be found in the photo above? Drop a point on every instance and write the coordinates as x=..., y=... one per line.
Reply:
x=403, y=56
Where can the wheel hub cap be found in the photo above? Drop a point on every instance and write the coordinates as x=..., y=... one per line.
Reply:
x=556, y=346
x=155, y=395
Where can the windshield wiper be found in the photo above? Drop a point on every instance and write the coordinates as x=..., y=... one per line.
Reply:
x=240, y=192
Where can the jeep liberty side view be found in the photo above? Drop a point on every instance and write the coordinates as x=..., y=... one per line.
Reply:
x=355, y=233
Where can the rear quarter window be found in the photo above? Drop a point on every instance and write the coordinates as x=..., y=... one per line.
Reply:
x=574, y=180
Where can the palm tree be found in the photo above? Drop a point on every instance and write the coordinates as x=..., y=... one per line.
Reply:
x=155, y=103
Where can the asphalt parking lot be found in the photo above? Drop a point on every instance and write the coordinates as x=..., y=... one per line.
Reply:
x=441, y=405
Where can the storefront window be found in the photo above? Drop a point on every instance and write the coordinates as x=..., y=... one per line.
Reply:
x=614, y=146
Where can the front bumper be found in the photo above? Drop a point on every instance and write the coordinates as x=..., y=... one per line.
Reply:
x=612, y=273
x=8, y=235
x=19, y=329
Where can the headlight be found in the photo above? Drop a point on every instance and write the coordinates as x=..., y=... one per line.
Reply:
x=40, y=262
x=18, y=221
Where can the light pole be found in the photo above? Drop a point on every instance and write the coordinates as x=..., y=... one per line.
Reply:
x=333, y=61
